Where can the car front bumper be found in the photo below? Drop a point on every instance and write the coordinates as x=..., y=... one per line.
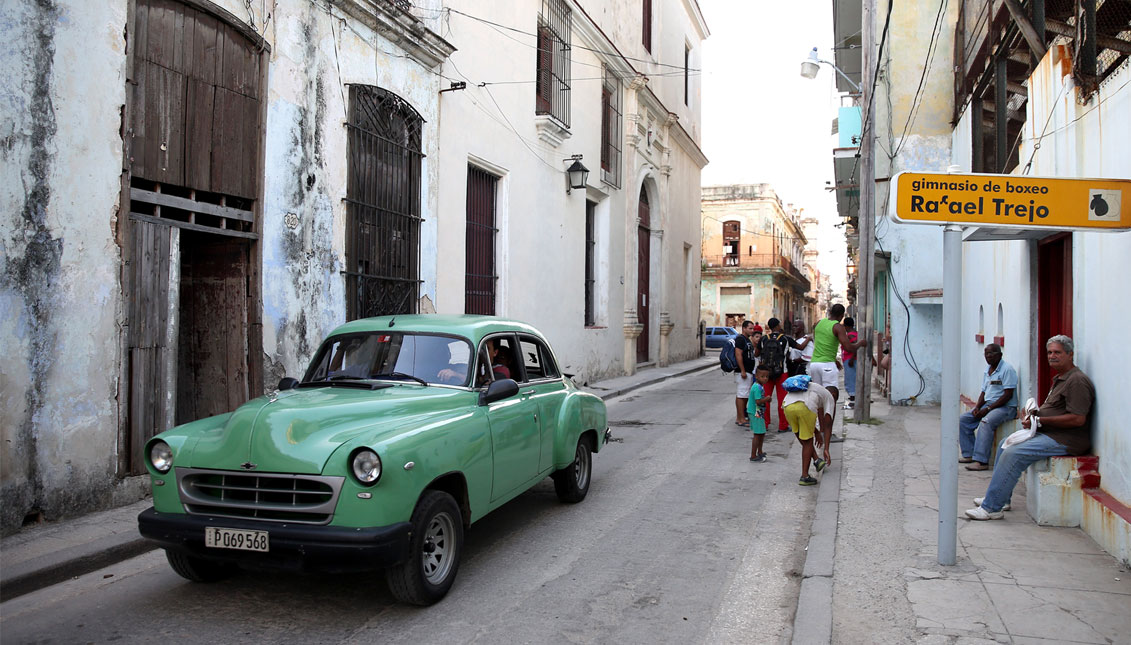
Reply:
x=298, y=547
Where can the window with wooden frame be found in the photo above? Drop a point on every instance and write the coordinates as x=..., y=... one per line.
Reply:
x=610, y=129
x=686, y=75
x=732, y=240
x=552, y=76
x=479, y=258
x=383, y=148
x=646, y=24
x=590, y=263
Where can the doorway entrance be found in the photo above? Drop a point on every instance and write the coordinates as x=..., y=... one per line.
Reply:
x=1054, y=301
x=643, y=273
x=190, y=243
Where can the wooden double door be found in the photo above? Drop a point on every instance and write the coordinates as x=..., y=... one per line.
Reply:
x=193, y=153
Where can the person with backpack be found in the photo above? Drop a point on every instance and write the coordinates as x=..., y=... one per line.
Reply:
x=771, y=351
x=743, y=371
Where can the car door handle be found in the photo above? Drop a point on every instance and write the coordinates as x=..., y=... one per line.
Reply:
x=528, y=393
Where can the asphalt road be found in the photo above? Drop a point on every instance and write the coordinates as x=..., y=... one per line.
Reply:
x=681, y=540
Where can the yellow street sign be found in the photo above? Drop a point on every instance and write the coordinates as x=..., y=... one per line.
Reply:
x=1011, y=200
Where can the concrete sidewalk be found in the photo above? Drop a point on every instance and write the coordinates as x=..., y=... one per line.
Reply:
x=1014, y=581
x=49, y=553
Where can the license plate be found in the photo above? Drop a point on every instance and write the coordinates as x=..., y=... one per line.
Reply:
x=242, y=539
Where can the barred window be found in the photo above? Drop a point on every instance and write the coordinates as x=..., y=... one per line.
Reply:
x=479, y=258
x=382, y=203
x=610, y=129
x=552, y=77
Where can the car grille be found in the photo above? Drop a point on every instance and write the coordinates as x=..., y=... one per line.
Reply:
x=307, y=499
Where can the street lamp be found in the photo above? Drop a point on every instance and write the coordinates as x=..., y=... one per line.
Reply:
x=810, y=65
x=576, y=175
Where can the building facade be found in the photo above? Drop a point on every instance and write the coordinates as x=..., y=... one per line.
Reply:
x=198, y=191
x=192, y=202
x=753, y=257
x=1020, y=90
x=607, y=269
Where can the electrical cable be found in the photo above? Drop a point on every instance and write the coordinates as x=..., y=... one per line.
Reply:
x=932, y=47
x=582, y=47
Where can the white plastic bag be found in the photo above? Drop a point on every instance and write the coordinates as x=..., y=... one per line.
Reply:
x=1024, y=434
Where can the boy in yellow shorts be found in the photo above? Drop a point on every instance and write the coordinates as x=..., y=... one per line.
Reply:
x=754, y=407
x=804, y=404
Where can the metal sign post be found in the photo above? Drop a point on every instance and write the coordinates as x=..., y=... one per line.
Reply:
x=996, y=201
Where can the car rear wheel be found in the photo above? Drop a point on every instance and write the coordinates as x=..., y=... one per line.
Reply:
x=572, y=482
x=198, y=569
x=434, y=551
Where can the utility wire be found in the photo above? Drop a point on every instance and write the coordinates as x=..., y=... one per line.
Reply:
x=582, y=47
x=920, y=92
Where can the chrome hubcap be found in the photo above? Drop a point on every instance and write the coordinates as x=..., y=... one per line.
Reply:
x=581, y=468
x=438, y=548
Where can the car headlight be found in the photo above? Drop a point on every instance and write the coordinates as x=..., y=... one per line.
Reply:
x=161, y=456
x=366, y=466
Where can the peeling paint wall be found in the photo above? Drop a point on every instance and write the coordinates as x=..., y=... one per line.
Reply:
x=60, y=307
x=62, y=315
x=760, y=212
x=317, y=53
x=913, y=134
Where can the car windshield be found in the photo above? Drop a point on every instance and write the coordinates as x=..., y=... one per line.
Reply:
x=394, y=356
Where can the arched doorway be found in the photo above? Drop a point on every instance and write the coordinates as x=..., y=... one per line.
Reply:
x=643, y=272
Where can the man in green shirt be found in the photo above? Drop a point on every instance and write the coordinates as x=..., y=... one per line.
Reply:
x=829, y=336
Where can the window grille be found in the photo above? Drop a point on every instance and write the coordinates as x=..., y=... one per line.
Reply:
x=382, y=204
x=590, y=263
x=480, y=278
x=610, y=129
x=552, y=77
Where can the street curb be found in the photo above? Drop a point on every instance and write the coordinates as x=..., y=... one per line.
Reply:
x=53, y=568
x=605, y=396
x=813, y=621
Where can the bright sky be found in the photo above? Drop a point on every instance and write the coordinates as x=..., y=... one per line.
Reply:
x=763, y=122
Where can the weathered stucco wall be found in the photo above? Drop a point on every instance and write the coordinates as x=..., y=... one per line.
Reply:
x=913, y=134
x=315, y=58
x=61, y=312
x=60, y=308
x=1080, y=140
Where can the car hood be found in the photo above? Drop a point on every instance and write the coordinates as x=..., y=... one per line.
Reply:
x=299, y=430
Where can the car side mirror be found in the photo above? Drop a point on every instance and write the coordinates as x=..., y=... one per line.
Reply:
x=287, y=383
x=498, y=390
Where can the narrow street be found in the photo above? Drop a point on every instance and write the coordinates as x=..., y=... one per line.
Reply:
x=681, y=540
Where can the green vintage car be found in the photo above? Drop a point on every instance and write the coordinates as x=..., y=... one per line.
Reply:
x=403, y=431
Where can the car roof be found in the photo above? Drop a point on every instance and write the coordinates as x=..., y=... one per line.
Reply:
x=471, y=326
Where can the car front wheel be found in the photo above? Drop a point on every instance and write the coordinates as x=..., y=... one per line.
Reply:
x=434, y=551
x=572, y=482
x=198, y=569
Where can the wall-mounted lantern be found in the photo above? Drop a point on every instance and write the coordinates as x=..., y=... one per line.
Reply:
x=576, y=175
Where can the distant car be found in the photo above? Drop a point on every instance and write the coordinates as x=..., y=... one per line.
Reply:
x=718, y=336
x=403, y=431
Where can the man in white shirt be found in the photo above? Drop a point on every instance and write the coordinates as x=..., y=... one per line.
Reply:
x=803, y=409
